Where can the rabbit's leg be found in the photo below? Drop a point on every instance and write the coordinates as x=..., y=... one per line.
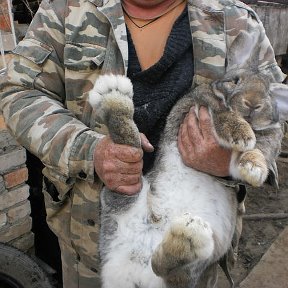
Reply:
x=111, y=97
x=251, y=167
x=189, y=239
x=233, y=131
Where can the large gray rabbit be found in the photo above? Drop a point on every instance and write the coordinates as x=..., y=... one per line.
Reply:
x=182, y=220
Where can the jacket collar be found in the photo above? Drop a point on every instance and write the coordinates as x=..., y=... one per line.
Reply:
x=207, y=24
x=203, y=4
x=207, y=29
x=113, y=12
x=211, y=5
x=99, y=3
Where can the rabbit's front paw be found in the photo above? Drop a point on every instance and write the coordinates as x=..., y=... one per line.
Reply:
x=253, y=168
x=234, y=132
x=243, y=140
x=111, y=94
x=106, y=84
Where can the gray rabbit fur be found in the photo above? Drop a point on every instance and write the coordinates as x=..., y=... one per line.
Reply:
x=182, y=220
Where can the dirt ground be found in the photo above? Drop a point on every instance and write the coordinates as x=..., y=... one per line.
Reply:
x=258, y=235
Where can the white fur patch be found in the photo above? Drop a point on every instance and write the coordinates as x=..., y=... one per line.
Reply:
x=234, y=165
x=252, y=174
x=197, y=231
x=106, y=84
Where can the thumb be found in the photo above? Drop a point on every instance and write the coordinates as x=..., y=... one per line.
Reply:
x=205, y=122
x=146, y=145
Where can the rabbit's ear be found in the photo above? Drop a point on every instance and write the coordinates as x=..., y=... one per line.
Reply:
x=242, y=54
x=280, y=94
x=223, y=89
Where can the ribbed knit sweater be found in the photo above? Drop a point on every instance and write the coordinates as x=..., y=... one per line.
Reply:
x=158, y=88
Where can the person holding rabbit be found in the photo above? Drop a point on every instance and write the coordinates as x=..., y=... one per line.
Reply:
x=165, y=47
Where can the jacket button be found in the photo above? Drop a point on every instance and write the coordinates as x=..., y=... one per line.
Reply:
x=94, y=270
x=82, y=175
x=91, y=222
x=98, y=3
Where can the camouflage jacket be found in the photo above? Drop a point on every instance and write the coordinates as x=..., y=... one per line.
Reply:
x=70, y=43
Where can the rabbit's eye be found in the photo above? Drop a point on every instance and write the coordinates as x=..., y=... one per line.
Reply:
x=236, y=80
x=258, y=107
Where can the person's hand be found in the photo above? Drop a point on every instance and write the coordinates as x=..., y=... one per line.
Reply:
x=198, y=147
x=120, y=166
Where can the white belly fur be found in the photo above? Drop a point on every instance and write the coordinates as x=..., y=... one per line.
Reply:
x=179, y=189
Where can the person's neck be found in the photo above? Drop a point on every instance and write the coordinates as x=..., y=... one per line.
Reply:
x=147, y=9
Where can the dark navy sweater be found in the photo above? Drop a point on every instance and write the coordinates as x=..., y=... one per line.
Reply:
x=159, y=87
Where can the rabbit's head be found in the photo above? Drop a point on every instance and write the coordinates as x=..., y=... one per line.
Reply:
x=248, y=94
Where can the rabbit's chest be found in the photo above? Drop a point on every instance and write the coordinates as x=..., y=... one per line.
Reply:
x=178, y=187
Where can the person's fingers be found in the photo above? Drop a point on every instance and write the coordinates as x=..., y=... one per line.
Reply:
x=146, y=145
x=189, y=132
x=127, y=154
x=184, y=145
x=113, y=171
x=129, y=190
x=205, y=123
x=198, y=146
x=113, y=181
x=120, y=167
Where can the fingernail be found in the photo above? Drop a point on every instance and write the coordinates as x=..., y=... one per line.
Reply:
x=193, y=109
x=150, y=145
x=136, y=150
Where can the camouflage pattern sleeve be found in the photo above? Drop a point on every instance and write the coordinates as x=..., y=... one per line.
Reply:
x=251, y=49
x=33, y=100
x=250, y=46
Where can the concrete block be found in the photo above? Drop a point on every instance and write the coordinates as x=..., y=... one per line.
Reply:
x=11, y=198
x=3, y=219
x=7, y=142
x=15, y=231
x=12, y=160
x=24, y=242
x=18, y=212
x=2, y=185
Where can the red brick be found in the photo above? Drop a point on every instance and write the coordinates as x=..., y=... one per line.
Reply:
x=5, y=24
x=2, y=123
x=16, y=177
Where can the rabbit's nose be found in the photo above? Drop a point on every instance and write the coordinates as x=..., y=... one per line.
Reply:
x=252, y=106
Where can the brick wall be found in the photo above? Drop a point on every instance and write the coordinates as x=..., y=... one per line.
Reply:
x=5, y=24
x=15, y=220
